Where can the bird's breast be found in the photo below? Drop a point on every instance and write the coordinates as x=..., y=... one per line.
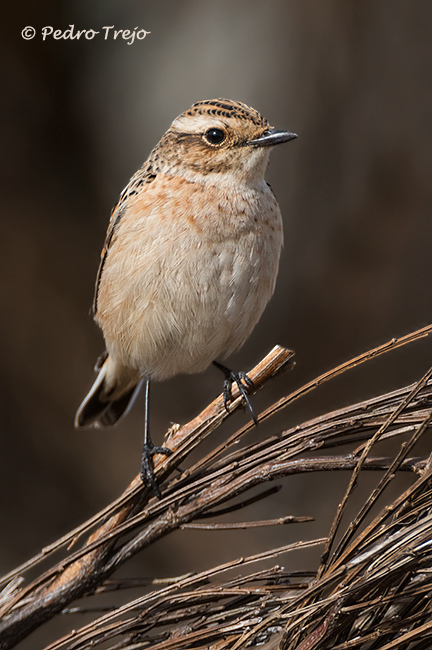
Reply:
x=188, y=275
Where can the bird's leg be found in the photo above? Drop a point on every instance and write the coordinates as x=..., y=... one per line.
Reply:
x=243, y=383
x=149, y=449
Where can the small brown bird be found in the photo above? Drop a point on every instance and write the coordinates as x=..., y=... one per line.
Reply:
x=189, y=262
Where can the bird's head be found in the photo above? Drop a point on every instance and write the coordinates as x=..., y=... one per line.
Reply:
x=220, y=139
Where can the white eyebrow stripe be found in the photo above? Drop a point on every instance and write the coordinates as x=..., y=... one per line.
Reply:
x=197, y=123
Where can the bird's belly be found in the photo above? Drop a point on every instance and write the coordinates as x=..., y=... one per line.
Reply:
x=180, y=315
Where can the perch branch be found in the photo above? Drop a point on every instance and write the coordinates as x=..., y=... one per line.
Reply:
x=83, y=571
x=201, y=490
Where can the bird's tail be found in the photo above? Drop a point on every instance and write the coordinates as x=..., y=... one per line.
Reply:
x=110, y=396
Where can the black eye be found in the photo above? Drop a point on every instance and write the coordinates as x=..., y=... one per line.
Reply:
x=215, y=136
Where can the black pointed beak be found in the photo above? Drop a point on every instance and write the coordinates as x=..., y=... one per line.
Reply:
x=271, y=137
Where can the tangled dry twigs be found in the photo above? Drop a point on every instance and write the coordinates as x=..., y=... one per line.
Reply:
x=370, y=591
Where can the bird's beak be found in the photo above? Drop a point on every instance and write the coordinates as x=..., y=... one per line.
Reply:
x=271, y=137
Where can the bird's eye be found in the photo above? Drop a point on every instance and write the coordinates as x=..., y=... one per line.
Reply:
x=215, y=136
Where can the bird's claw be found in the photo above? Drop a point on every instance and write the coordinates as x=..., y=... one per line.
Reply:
x=244, y=384
x=147, y=466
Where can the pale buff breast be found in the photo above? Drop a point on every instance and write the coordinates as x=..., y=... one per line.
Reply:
x=189, y=276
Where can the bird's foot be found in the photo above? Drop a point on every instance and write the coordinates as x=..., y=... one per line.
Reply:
x=147, y=466
x=244, y=384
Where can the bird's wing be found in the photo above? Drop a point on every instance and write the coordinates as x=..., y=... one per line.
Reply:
x=137, y=183
x=116, y=216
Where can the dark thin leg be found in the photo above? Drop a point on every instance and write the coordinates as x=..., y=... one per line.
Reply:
x=243, y=383
x=149, y=449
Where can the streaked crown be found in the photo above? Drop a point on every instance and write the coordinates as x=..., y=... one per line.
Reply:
x=223, y=110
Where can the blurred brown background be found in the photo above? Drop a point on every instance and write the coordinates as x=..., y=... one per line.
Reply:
x=353, y=79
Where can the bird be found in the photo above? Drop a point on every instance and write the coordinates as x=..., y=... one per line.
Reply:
x=189, y=262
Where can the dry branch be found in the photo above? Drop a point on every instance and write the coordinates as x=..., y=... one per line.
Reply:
x=370, y=591
x=85, y=569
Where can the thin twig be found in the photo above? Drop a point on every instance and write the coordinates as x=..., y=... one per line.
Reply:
x=289, y=519
x=355, y=475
